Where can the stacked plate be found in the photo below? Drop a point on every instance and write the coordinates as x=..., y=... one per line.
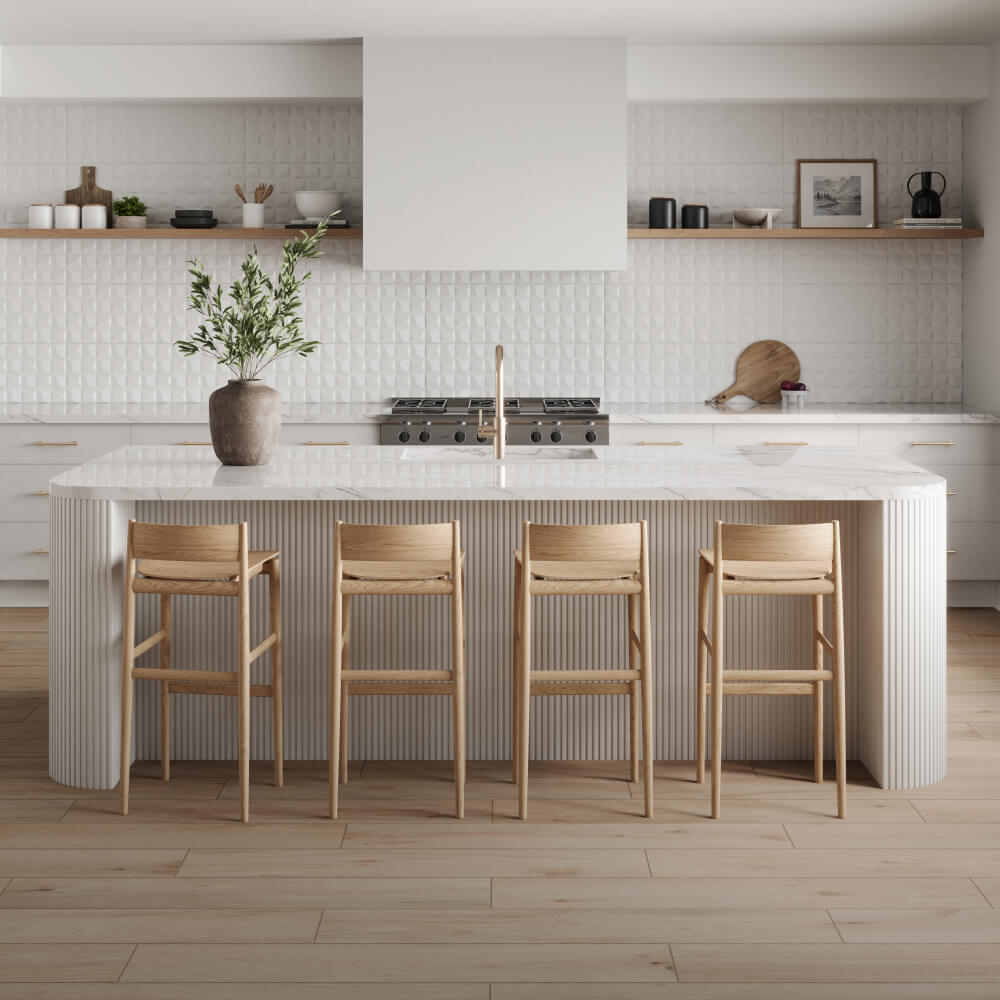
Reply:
x=193, y=218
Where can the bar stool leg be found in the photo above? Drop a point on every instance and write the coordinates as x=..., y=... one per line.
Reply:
x=646, y=656
x=128, y=646
x=524, y=684
x=817, y=603
x=458, y=691
x=840, y=717
x=336, y=663
x=515, y=737
x=277, y=673
x=704, y=579
x=718, y=656
x=244, y=682
x=632, y=630
x=345, y=689
x=165, y=689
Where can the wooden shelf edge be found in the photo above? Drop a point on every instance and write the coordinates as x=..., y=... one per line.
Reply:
x=805, y=234
x=169, y=233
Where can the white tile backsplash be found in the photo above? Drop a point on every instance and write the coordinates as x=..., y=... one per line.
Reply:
x=95, y=321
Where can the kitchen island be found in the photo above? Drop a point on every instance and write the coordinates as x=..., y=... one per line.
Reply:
x=893, y=523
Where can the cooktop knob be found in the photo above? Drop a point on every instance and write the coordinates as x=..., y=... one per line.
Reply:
x=404, y=436
x=536, y=436
x=556, y=437
x=459, y=436
x=425, y=436
x=591, y=436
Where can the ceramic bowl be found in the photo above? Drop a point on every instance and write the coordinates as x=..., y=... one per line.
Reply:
x=317, y=204
x=754, y=216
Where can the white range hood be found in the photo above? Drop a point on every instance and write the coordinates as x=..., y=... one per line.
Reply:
x=494, y=155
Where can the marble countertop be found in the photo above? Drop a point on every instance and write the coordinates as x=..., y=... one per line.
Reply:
x=164, y=472
x=621, y=413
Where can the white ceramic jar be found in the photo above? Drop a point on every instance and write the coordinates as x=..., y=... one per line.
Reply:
x=95, y=217
x=67, y=216
x=253, y=216
x=39, y=216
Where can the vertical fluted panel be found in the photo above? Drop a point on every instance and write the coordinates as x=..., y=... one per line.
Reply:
x=895, y=673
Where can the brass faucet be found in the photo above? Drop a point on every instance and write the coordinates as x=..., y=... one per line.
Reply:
x=497, y=427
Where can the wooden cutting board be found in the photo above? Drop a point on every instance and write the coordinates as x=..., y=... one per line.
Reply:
x=88, y=193
x=760, y=370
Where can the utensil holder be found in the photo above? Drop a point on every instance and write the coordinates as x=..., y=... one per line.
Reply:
x=253, y=215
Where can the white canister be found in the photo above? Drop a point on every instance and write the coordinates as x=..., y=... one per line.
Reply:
x=95, y=217
x=253, y=215
x=39, y=216
x=67, y=216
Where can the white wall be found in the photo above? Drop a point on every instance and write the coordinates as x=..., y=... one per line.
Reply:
x=982, y=257
x=808, y=73
x=181, y=72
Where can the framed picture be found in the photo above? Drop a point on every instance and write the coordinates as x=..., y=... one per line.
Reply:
x=837, y=194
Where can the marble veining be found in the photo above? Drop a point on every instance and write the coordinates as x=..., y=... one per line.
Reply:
x=163, y=472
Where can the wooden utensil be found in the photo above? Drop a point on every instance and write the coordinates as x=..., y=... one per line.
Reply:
x=760, y=370
x=88, y=193
x=242, y=196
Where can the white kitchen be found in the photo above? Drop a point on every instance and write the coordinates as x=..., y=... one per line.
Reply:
x=607, y=397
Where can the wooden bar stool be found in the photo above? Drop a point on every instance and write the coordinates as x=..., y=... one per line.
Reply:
x=395, y=559
x=585, y=559
x=210, y=560
x=772, y=559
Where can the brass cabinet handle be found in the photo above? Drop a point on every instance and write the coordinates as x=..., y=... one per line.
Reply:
x=786, y=444
x=950, y=552
x=194, y=444
x=39, y=552
x=40, y=493
x=933, y=444
x=327, y=444
x=56, y=444
x=662, y=444
x=950, y=493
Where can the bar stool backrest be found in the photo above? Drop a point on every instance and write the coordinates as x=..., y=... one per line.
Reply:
x=215, y=543
x=404, y=543
x=800, y=543
x=612, y=543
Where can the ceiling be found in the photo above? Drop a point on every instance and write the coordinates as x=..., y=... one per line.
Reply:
x=676, y=21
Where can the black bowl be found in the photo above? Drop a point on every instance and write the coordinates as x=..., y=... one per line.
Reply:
x=194, y=223
x=192, y=213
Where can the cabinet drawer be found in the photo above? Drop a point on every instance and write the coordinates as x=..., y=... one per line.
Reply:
x=186, y=434
x=935, y=444
x=784, y=435
x=24, y=491
x=68, y=444
x=973, y=491
x=975, y=551
x=24, y=550
x=662, y=435
x=329, y=435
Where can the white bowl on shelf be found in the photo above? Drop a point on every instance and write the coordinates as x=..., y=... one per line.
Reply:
x=317, y=204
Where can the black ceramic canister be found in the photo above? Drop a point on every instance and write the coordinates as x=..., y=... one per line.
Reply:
x=694, y=217
x=662, y=213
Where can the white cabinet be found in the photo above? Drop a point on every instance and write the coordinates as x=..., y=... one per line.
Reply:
x=493, y=154
x=785, y=435
x=662, y=435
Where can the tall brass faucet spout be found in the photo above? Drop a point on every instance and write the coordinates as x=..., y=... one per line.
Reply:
x=497, y=427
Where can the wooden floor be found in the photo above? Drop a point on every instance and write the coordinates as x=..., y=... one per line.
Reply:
x=588, y=901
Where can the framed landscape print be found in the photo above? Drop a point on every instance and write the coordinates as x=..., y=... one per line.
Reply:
x=837, y=194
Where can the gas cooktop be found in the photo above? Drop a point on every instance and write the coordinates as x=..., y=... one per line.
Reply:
x=468, y=405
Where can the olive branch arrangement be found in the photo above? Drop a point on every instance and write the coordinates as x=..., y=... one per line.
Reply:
x=262, y=320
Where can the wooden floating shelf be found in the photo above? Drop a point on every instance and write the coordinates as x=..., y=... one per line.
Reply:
x=169, y=233
x=722, y=233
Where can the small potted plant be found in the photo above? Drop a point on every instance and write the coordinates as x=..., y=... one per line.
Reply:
x=260, y=323
x=130, y=212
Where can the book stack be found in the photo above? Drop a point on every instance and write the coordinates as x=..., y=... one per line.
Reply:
x=947, y=223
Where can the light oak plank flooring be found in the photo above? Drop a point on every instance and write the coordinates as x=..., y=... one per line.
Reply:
x=589, y=901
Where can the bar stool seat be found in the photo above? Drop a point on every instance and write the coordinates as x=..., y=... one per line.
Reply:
x=574, y=560
x=746, y=569
x=171, y=569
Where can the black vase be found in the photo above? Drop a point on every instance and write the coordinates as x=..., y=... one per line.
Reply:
x=927, y=201
x=694, y=217
x=662, y=213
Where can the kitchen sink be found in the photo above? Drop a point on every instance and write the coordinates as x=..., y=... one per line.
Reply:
x=515, y=455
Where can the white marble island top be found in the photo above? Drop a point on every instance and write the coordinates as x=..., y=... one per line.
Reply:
x=162, y=472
